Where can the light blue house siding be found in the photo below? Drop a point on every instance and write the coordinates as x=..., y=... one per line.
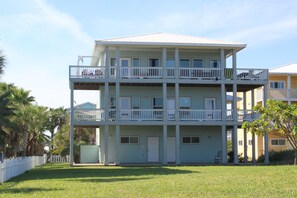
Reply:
x=204, y=151
x=197, y=95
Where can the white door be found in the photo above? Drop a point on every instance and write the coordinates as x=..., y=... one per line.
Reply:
x=125, y=108
x=171, y=109
x=210, y=105
x=171, y=149
x=153, y=149
x=125, y=67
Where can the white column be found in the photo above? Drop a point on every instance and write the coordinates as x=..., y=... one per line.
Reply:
x=118, y=62
x=165, y=144
x=289, y=89
x=106, y=62
x=176, y=101
x=253, y=135
x=106, y=145
x=266, y=154
x=223, y=66
x=176, y=57
x=235, y=149
x=164, y=102
x=71, y=124
x=223, y=96
x=106, y=103
x=117, y=146
x=244, y=130
x=177, y=144
x=234, y=64
x=117, y=96
x=164, y=59
x=234, y=135
x=224, y=145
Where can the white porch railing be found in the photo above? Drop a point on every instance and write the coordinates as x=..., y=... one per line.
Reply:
x=200, y=115
x=157, y=72
x=141, y=114
x=86, y=72
x=201, y=73
x=13, y=167
x=141, y=72
x=60, y=159
x=89, y=114
x=247, y=115
x=251, y=74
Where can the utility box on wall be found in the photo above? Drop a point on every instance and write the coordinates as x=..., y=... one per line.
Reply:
x=89, y=153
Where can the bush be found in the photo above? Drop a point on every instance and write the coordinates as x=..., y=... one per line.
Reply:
x=286, y=156
x=231, y=157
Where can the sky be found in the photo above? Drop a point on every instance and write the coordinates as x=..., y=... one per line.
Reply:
x=41, y=38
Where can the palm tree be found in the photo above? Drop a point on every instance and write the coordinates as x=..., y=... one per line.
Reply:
x=2, y=63
x=6, y=112
x=56, y=118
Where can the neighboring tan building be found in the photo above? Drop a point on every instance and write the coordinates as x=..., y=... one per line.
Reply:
x=163, y=98
x=282, y=85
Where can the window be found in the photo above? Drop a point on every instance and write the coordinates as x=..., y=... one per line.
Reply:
x=135, y=62
x=157, y=103
x=135, y=102
x=170, y=63
x=112, y=102
x=184, y=62
x=197, y=63
x=215, y=64
x=153, y=62
x=184, y=102
x=129, y=139
x=240, y=142
x=250, y=142
x=276, y=85
x=191, y=140
x=113, y=62
x=278, y=142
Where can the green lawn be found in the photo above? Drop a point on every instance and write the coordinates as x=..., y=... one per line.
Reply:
x=60, y=180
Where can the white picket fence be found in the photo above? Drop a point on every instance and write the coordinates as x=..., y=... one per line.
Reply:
x=60, y=159
x=13, y=167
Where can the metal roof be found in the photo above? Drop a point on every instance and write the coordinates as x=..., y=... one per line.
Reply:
x=166, y=39
x=286, y=69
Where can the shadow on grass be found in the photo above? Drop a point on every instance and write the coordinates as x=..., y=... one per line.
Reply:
x=121, y=179
x=27, y=190
x=100, y=174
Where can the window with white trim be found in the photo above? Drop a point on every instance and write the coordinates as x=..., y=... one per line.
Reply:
x=154, y=62
x=250, y=142
x=157, y=103
x=129, y=140
x=112, y=102
x=185, y=102
x=170, y=63
x=197, y=63
x=277, y=84
x=215, y=64
x=184, y=62
x=278, y=142
x=135, y=62
x=240, y=143
x=190, y=140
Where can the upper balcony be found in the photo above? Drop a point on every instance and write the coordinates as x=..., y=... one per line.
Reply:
x=195, y=115
x=279, y=94
x=101, y=72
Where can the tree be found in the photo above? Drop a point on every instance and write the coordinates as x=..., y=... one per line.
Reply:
x=56, y=118
x=2, y=63
x=279, y=118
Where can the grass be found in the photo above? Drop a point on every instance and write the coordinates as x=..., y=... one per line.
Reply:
x=60, y=180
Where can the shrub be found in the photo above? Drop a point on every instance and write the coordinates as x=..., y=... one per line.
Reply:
x=286, y=156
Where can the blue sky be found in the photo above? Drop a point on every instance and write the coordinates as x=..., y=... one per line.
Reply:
x=42, y=38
